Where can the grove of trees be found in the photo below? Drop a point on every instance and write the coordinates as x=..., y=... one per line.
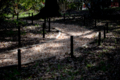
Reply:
x=97, y=7
x=13, y=6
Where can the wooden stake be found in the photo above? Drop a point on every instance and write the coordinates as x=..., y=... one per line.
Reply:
x=29, y=14
x=44, y=22
x=17, y=16
x=19, y=59
x=107, y=26
x=32, y=18
x=49, y=24
x=19, y=37
x=104, y=33
x=43, y=30
x=84, y=19
x=64, y=17
x=95, y=22
x=72, y=47
x=99, y=41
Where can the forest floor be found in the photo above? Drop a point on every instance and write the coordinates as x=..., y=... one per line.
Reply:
x=93, y=62
x=30, y=34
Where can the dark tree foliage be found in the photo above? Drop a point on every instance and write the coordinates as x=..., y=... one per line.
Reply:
x=100, y=9
x=97, y=6
x=4, y=3
x=5, y=7
x=51, y=9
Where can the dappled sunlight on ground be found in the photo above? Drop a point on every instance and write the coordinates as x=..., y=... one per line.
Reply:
x=58, y=47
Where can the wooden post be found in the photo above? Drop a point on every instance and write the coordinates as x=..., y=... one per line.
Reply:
x=32, y=18
x=13, y=16
x=17, y=16
x=29, y=14
x=99, y=41
x=74, y=16
x=19, y=59
x=72, y=47
x=107, y=26
x=104, y=33
x=47, y=19
x=44, y=22
x=26, y=20
x=64, y=17
x=95, y=22
x=49, y=24
x=19, y=37
x=84, y=19
x=43, y=30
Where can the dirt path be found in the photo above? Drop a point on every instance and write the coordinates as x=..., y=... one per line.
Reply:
x=58, y=47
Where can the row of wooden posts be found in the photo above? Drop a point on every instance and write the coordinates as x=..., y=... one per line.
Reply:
x=19, y=53
x=44, y=26
x=83, y=16
x=64, y=17
x=19, y=32
x=105, y=31
x=26, y=20
x=19, y=45
x=71, y=45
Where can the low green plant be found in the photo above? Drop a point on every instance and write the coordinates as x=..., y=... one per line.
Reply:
x=23, y=33
x=42, y=32
x=48, y=69
x=36, y=64
x=76, y=72
x=115, y=41
x=10, y=32
x=105, y=50
x=37, y=25
x=100, y=55
x=89, y=65
x=81, y=78
x=70, y=73
x=17, y=23
x=12, y=76
x=65, y=71
x=59, y=66
x=71, y=77
x=30, y=78
x=103, y=66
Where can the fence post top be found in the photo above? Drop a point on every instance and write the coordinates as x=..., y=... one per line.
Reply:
x=43, y=24
x=19, y=49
